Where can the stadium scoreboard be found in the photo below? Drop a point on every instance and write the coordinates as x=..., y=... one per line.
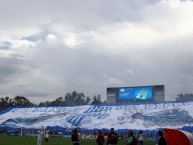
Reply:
x=121, y=95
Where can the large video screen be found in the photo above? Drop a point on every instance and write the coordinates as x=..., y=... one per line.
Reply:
x=136, y=94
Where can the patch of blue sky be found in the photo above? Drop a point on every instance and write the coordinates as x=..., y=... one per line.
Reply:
x=41, y=36
x=5, y=45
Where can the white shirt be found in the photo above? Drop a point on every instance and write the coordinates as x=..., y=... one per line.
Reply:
x=140, y=136
x=47, y=134
x=40, y=135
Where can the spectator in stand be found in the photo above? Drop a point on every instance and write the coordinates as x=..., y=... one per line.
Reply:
x=162, y=140
x=100, y=138
x=75, y=137
x=112, y=137
x=140, y=138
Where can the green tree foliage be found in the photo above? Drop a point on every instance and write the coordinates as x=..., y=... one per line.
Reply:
x=96, y=100
x=87, y=101
x=184, y=97
x=46, y=103
x=74, y=98
x=5, y=103
x=58, y=102
x=21, y=101
x=70, y=99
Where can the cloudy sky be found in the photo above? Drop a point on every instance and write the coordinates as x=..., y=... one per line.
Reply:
x=49, y=48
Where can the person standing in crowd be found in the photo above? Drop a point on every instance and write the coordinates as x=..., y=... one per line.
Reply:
x=40, y=136
x=75, y=137
x=162, y=140
x=100, y=138
x=140, y=138
x=47, y=136
x=131, y=138
x=112, y=137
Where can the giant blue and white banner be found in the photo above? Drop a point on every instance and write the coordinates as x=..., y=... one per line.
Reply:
x=144, y=116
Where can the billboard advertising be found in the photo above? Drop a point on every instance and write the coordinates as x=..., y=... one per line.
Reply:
x=136, y=94
x=122, y=95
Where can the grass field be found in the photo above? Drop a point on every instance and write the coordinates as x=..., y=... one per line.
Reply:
x=18, y=140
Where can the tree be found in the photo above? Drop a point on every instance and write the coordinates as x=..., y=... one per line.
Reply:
x=21, y=101
x=96, y=100
x=58, y=102
x=74, y=98
x=46, y=103
x=70, y=99
x=87, y=101
x=5, y=103
x=184, y=97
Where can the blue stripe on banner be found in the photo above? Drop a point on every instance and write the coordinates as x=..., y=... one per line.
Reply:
x=96, y=109
x=75, y=120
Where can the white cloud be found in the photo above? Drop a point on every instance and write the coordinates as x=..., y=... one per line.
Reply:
x=17, y=44
x=70, y=40
x=66, y=46
x=51, y=37
x=129, y=71
x=114, y=82
x=6, y=53
x=155, y=29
